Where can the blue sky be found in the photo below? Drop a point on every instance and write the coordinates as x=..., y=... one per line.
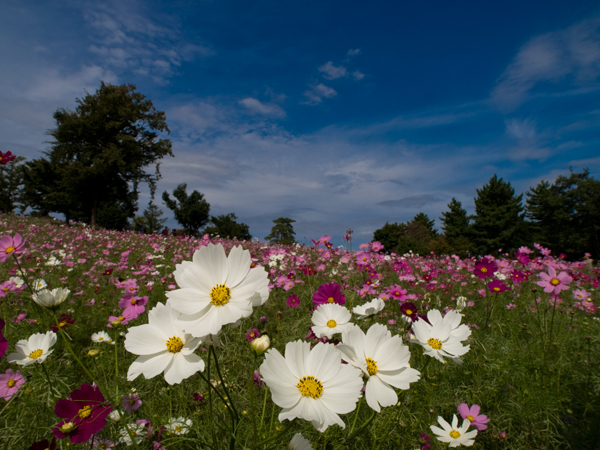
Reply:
x=337, y=114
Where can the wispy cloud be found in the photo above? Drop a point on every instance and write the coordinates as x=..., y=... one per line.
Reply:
x=265, y=109
x=332, y=72
x=571, y=55
x=353, y=52
x=317, y=92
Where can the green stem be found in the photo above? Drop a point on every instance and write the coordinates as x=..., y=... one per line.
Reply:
x=277, y=436
x=210, y=405
x=116, y=365
x=212, y=347
x=24, y=275
x=252, y=388
x=356, y=415
x=361, y=429
x=49, y=382
x=262, y=417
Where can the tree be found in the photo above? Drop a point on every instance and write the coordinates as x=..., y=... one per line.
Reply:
x=225, y=225
x=456, y=226
x=100, y=150
x=191, y=212
x=151, y=221
x=389, y=235
x=11, y=184
x=565, y=216
x=282, y=232
x=499, y=218
x=427, y=222
x=416, y=235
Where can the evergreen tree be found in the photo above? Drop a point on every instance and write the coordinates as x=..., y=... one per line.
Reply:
x=456, y=227
x=499, y=218
x=282, y=232
x=225, y=225
x=11, y=184
x=389, y=235
x=99, y=153
x=151, y=221
x=191, y=211
x=427, y=222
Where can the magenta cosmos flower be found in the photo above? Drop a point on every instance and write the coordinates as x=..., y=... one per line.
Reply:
x=329, y=293
x=11, y=246
x=133, y=304
x=472, y=414
x=7, y=157
x=10, y=382
x=3, y=341
x=497, y=286
x=553, y=283
x=85, y=414
x=293, y=301
x=485, y=268
x=131, y=402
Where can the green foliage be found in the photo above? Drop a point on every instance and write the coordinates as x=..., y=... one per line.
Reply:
x=565, y=216
x=191, y=211
x=225, y=225
x=11, y=184
x=389, y=235
x=456, y=226
x=417, y=235
x=499, y=219
x=98, y=155
x=282, y=232
x=151, y=221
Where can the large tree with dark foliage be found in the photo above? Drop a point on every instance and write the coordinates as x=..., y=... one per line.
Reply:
x=282, y=232
x=226, y=225
x=456, y=226
x=499, y=220
x=98, y=156
x=417, y=235
x=565, y=216
x=191, y=211
x=11, y=184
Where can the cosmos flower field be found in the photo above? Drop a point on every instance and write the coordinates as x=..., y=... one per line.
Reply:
x=121, y=340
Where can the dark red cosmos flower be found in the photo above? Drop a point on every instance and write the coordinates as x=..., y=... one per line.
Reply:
x=85, y=414
x=63, y=322
x=497, y=286
x=107, y=272
x=7, y=157
x=307, y=270
x=3, y=341
x=43, y=445
x=409, y=309
x=517, y=276
x=485, y=268
x=522, y=258
x=329, y=293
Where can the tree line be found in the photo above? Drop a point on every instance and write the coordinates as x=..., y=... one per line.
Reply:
x=97, y=161
x=563, y=216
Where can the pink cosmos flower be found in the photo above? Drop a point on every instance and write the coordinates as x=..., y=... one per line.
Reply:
x=329, y=293
x=10, y=382
x=252, y=334
x=6, y=157
x=293, y=301
x=553, y=283
x=472, y=413
x=11, y=246
x=131, y=402
x=376, y=246
x=123, y=319
x=85, y=411
x=485, y=268
x=581, y=294
x=363, y=258
x=133, y=304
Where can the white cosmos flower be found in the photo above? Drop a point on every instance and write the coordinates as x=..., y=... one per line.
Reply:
x=179, y=426
x=33, y=350
x=163, y=347
x=383, y=359
x=216, y=290
x=299, y=442
x=329, y=319
x=39, y=284
x=453, y=318
x=138, y=432
x=438, y=340
x=51, y=298
x=454, y=435
x=312, y=384
x=102, y=336
x=370, y=308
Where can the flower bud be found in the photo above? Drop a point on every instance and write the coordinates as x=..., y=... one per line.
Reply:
x=260, y=345
x=93, y=352
x=50, y=299
x=114, y=416
x=67, y=427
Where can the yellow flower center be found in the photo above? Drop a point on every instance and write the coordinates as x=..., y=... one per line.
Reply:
x=133, y=301
x=331, y=323
x=100, y=338
x=220, y=295
x=454, y=434
x=310, y=387
x=178, y=429
x=471, y=418
x=371, y=366
x=132, y=401
x=6, y=289
x=62, y=324
x=408, y=312
x=483, y=269
x=435, y=343
x=174, y=344
x=330, y=300
x=497, y=289
x=9, y=249
x=85, y=412
x=36, y=353
x=554, y=281
x=11, y=383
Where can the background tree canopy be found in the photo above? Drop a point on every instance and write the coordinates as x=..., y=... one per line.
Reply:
x=98, y=157
x=226, y=226
x=191, y=211
x=282, y=232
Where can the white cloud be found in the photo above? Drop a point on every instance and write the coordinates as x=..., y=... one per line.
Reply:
x=316, y=93
x=332, y=72
x=354, y=52
x=520, y=129
x=551, y=57
x=358, y=75
x=257, y=107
